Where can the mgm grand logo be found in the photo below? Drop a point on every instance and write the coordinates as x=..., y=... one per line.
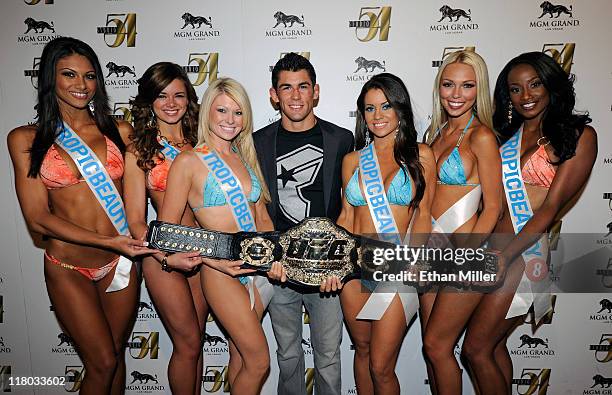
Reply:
x=533, y=381
x=215, y=379
x=120, y=76
x=214, y=345
x=145, y=310
x=532, y=347
x=372, y=22
x=123, y=112
x=603, y=350
x=196, y=27
x=38, y=32
x=143, y=344
x=74, y=376
x=556, y=17
x=454, y=21
x=119, y=29
x=449, y=50
x=366, y=69
x=284, y=27
x=33, y=73
x=204, y=65
x=65, y=345
x=602, y=385
x=144, y=382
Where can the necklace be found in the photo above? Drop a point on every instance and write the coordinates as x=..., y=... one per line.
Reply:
x=542, y=141
x=179, y=144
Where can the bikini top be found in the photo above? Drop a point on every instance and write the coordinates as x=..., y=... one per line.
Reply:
x=452, y=171
x=399, y=193
x=157, y=176
x=538, y=170
x=55, y=173
x=213, y=195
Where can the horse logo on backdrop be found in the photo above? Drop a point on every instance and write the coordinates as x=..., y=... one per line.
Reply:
x=206, y=65
x=450, y=13
x=119, y=28
x=377, y=20
x=549, y=8
x=38, y=26
x=193, y=20
x=285, y=19
x=363, y=63
x=533, y=381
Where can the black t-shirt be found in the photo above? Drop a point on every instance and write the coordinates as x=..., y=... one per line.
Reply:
x=299, y=176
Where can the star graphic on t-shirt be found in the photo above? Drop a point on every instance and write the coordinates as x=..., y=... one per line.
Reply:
x=286, y=175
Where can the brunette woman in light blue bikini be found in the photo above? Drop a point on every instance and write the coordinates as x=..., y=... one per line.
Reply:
x=407, y=174
x=467, y=200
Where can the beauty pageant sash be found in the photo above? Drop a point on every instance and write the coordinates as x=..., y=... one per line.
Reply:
x=241, y=212
x=387, y=230
x=170, y=152
x=535, y=283
x=103, y=188
x=459, y=213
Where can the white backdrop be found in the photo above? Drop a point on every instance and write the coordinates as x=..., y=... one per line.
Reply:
x=408, y=38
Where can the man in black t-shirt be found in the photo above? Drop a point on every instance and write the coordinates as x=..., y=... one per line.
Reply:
x=301, y=158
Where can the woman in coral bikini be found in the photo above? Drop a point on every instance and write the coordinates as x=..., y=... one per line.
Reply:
x=467, y=200
x=225, y=137
x=165, y=113
x=69, y=195
x=548, y=151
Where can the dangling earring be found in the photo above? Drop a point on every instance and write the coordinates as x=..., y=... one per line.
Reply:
x=396, y=131
x=152, y=122
x=509, y=113
x=91, y=106
x=368, y=140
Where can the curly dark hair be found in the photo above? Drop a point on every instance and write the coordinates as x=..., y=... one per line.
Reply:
x=154, y=80
x=47, y=109
x=560, y=125
x=405, y=149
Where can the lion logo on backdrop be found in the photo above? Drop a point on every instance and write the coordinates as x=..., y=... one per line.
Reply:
x=114, y=68
x=605, y=304
x=549, y=8
x=213, y=340
x=363, y=63
x=193, y=20
x=604, y=382
x=285, y=19
x=142, y=378
x=450, y=13
x=532, y=342
x=144, y=305
x=38, y=26
x=65, y=339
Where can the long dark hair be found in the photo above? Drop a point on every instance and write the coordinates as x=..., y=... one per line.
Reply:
x=405, y=148
x=560, y=125
x=47, y=109
x=154, y=80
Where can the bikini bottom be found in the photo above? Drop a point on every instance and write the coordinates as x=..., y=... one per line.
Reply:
x=93, y=274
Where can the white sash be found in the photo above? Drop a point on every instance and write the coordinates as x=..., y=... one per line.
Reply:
x=236, y=198
x=380, y=211
x=103, y=188
x=459, y=213
x=170, y=152
x=535, y=283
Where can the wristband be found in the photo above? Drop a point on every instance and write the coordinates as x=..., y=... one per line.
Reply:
x=164, y=264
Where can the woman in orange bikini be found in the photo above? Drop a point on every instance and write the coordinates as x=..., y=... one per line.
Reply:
x=547, y=152
x=69, y=195
x=165, y=115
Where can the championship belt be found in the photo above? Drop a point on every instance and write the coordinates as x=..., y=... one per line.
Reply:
x=311, y=251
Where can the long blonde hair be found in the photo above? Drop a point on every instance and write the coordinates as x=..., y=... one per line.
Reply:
x=244, y=141
x=484, y=108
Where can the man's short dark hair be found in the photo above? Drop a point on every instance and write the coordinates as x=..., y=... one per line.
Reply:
x=293, y=62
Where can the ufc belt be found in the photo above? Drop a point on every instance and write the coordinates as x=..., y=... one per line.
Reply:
x=311, y=251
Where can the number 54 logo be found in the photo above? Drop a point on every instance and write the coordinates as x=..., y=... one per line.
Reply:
x=118, y=28
x=374, y=22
